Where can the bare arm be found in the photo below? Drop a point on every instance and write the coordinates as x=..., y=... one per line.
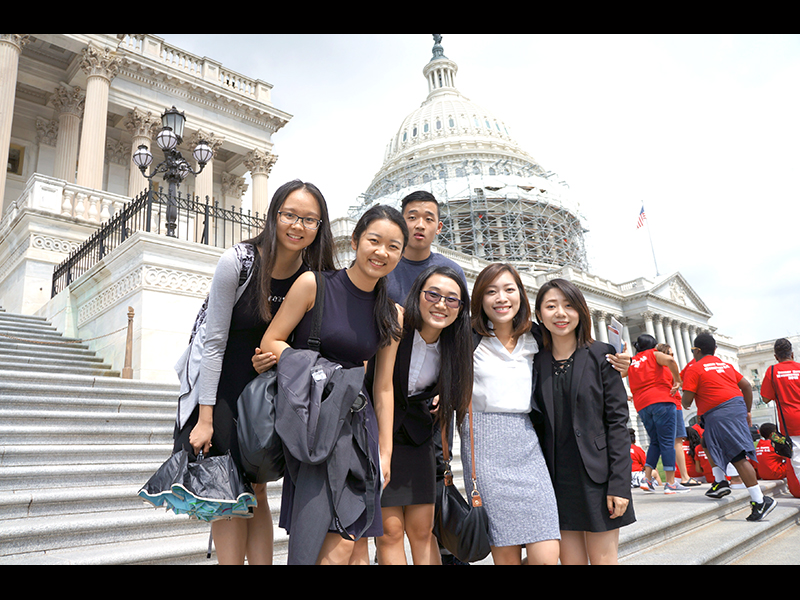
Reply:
x=299, y=300
x=383, y=400
x=665, y=360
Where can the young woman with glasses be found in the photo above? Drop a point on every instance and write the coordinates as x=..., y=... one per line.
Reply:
x=432, y=375
x=280, y=254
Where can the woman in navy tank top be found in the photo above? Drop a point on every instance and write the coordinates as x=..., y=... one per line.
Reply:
x=350, y=337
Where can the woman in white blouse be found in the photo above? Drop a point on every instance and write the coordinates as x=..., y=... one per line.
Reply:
x=432, y=368
x=511, y=472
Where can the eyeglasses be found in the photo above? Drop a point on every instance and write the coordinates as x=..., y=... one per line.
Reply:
x=291, y=219
x=450, y=301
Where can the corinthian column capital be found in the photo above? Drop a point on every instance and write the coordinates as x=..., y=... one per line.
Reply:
x=260, y=162
x=15, y=39
x=97, y=62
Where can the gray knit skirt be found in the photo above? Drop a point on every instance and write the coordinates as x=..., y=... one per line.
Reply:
x=513, y=479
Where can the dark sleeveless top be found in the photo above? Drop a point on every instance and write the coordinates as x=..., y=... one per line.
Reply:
x=349, y=335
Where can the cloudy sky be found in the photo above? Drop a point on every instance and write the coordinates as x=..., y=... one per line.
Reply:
x=702, y=130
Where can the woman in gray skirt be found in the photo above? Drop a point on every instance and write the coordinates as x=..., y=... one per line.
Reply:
x=512, y=475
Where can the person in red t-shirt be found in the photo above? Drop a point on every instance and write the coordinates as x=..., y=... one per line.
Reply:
x=682, y=469
x=637, y=461
x=690, y=447
x=771, y=465
x=724, y=399
x=782, y=384
x=653, y=377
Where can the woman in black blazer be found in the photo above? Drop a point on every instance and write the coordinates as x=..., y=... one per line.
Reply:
x=433, y=367
x=585, y=408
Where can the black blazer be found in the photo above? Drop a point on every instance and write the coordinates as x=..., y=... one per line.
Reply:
x=410, y=413
x=599, y=412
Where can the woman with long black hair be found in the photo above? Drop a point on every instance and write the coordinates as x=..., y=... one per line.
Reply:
x=433, y=368
x=296, y=237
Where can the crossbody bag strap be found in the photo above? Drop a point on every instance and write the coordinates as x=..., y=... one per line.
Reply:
x=475, y=495
x=316, y=317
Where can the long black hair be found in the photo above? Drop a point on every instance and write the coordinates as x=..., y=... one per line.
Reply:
x=318, y=256
x=385, y=309
x=455, y=344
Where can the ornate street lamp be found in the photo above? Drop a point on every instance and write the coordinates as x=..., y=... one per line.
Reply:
x=174, y=166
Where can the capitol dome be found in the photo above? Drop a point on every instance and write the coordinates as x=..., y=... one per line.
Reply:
x=498, y=203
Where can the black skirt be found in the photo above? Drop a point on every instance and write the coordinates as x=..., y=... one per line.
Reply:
x=413, y=476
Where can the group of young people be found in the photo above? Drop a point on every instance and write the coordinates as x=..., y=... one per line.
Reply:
x=549, y=408
x=724, y=401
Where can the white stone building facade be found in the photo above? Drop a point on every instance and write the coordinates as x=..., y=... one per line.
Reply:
x=74, y=108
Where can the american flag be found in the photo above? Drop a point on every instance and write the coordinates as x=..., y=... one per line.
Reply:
x=642, y=217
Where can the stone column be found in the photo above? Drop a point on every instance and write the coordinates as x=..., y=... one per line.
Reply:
x=69, y=105
x=670, y=339
x=100, y=67
x=648, y=323
x=142, y=126
x=680, y=354
x=687, y=343
x=626, y=334
x=659, y=329
x=204, y=183
x=260, y=163
x=10, y=48
x=602, y=325
x=233, y=187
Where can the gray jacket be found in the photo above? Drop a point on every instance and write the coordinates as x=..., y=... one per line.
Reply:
x=325, y=445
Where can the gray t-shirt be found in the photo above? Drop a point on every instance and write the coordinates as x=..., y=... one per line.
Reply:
x=403, y=276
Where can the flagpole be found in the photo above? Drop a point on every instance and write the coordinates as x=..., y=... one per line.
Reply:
x=653, y=250
x=643, y=221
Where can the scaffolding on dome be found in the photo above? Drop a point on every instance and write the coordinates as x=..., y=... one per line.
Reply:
x=503, y=221
x=526, y=230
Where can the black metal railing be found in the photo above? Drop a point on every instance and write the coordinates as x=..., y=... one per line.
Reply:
x=196, y=221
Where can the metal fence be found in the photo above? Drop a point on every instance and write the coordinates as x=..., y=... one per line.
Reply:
x=195, y=221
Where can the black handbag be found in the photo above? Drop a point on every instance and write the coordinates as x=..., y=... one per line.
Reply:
x=780, y=441
x=461, y=527
x=260, y=447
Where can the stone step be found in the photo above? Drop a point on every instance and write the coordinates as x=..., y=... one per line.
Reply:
x=20, y=381
x=165, y=408
x=782, y=548
x=101, y=370
x=10, y=345
x=95, y=433
x=53, y=354
x=36, y=335
x=690, y=528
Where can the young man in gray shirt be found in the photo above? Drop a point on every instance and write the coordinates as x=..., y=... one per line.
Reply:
x=421, y=212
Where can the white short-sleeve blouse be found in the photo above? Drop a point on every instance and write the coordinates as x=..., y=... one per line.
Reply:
x=502, y=378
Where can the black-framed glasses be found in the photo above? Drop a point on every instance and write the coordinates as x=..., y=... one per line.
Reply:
x=290, y=219
x=450, y=301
